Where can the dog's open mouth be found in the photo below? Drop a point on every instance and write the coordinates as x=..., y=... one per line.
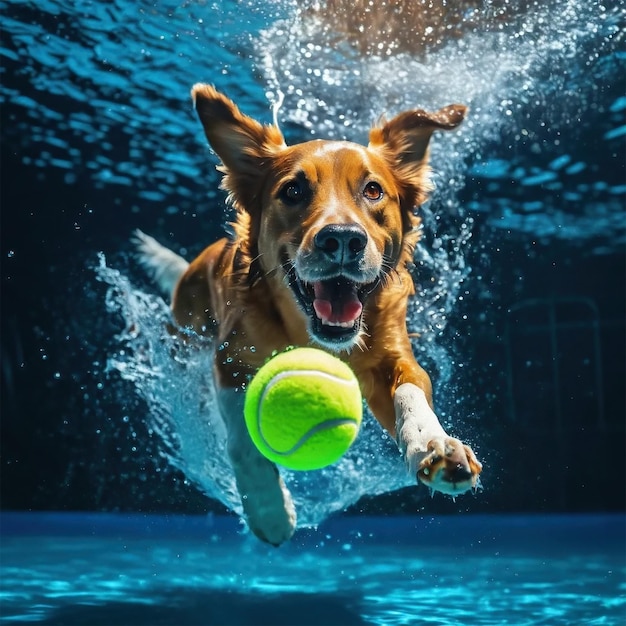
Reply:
x=334, y=306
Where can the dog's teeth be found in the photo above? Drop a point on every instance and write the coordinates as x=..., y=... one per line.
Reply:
x=340, y=324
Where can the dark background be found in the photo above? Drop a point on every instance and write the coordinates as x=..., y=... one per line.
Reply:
x=548, y=443
x=540, y=333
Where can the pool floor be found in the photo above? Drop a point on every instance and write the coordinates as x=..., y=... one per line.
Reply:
x=448, y=570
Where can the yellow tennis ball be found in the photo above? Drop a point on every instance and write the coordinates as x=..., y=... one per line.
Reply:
x=303, y=409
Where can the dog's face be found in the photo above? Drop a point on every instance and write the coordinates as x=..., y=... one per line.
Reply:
x=332, y=219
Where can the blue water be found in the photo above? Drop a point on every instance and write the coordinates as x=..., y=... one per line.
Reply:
x=102, y=89
x=99, y=93
x=448, y=571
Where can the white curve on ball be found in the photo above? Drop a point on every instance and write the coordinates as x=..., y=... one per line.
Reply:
x=331, y=423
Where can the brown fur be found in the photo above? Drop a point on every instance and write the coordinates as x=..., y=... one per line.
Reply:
x=237, y=291
x=260, y=310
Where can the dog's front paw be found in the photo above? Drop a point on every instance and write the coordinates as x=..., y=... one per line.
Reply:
x=269, y=509
x=449, y=466
x=274, y=530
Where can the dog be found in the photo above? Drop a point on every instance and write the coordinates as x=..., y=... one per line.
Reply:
x=323, y=234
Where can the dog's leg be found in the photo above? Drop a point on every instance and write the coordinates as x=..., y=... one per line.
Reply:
x=267, y=503
x=439, y=461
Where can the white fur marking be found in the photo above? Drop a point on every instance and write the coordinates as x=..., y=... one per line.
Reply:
x=266, y=501
x=416, y=424
x=163, y=265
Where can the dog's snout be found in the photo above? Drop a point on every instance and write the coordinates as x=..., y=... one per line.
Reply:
x=341, y=241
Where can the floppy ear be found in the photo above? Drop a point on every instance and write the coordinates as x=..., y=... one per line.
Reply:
x=403, y=143
x=243, y=144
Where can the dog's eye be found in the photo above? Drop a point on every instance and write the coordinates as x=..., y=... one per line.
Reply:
x=373, y=191
x=291, y=193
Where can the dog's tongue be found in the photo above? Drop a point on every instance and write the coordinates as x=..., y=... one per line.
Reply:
x=336, y=302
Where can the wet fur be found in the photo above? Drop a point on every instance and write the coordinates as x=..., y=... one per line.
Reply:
x=240, y=290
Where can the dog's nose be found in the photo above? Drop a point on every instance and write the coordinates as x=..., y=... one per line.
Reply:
x=341, y=242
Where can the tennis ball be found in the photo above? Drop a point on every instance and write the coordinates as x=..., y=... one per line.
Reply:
x=303, y=409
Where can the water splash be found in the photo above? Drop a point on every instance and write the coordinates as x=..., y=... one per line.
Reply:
x=545, y=82
x=88, y=86
x=328, y=94
x=175, y=381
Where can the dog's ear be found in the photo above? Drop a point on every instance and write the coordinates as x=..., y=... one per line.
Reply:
x=403, y=143
x=242, y=143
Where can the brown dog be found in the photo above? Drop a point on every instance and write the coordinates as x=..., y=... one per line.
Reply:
x=323, y=233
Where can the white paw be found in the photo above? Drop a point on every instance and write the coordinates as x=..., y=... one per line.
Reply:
x=448, y=466
x=269, y=511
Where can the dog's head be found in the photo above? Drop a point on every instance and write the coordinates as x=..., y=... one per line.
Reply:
x=331, y=219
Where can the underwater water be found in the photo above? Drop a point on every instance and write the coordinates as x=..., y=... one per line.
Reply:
x=449, y=571
x=108, y=105
x=546, y=80
x=95, y=96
